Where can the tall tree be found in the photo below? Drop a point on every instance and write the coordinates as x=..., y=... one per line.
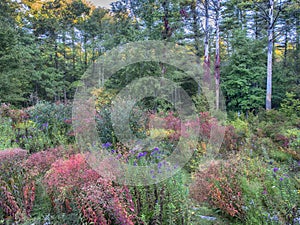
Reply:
x=206, y=63
x=217, y=9
x=271, y=23
x=242, y=79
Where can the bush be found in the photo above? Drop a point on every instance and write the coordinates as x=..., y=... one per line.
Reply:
x=290, y=106
x=71, y=182
x=270, y=192
x=36, y=128
x=55, y=120
x=17, y=188
x=217, y=183
x=7, y=134
x=164, y=203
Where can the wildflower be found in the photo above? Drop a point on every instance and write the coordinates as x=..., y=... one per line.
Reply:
x=265, y=192
x=141, y=154
x=45, y=125
x=159, y=165
x=275, y=169
x=281, y=179
x=107, y=145
x=155, y=150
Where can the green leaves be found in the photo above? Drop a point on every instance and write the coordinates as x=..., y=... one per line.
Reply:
x=243, y=76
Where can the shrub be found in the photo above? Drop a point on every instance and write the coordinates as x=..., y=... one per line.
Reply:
x=54, y=121
x=71, y=181
x=164, y=203
x=7, y=134
x=17, y=188
x=217, y=183
x=291, y=105
x=270, y=192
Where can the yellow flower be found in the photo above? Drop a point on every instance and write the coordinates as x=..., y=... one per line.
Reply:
x=299, y=191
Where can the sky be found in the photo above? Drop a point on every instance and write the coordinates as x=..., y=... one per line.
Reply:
x=103, y=3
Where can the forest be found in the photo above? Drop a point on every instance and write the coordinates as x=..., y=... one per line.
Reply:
x=150, y=112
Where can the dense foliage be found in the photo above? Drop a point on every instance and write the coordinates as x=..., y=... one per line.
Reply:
x=252, y=178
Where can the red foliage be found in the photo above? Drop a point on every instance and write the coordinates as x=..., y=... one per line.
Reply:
x=11, y=156
x=29, y=197
x=11, y=187
x=230, y=139
x=8, y=202
x=40, y=162
x=218, y=185
x=204, y=123
x=97, y=198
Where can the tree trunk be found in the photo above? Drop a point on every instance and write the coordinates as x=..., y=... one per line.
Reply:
x=217, y=60
x=270, y=55
x=206, y=64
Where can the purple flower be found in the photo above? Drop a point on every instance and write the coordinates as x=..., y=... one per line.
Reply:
x=159, y=165
x=141, y=154
x=155, y=150
x=275, y=169
x=107, y=145
x=45, y=125
x=265, y=192
x=281, y=179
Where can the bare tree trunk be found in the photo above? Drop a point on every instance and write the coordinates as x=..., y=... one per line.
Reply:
x=206, y=64
x=217, y=60
x=270, y=55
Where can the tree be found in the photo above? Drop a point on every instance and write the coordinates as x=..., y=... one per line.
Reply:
x=242, y=78
x=271, y=23
x=217, y=9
